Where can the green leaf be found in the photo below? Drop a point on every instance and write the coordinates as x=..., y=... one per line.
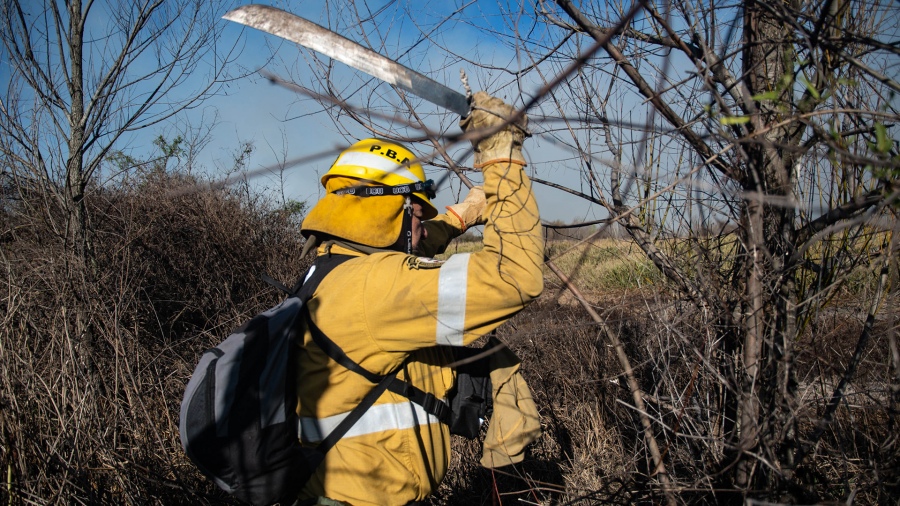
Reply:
x=734, y=120
x=883, y=143
x=809, y=87
x=769, y=95
x=784, y=82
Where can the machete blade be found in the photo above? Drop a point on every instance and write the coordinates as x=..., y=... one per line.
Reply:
x=308, y=34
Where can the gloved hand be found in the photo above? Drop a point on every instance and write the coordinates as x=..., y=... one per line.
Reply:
x=471, y=209
x=504, y=146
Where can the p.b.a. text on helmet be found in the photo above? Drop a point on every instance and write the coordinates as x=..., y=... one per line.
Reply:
x=390, y=153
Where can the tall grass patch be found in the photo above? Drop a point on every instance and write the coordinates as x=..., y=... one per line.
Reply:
x=606, y=264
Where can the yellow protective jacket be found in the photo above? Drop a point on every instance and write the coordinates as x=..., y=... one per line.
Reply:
x=385, y=307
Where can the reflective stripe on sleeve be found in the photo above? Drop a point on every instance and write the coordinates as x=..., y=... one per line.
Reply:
x=451, y=302
x=378, y=418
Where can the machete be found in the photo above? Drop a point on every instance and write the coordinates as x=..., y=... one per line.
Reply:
x=308, y=34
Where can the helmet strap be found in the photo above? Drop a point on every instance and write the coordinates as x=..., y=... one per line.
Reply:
x=425, y=187
x=406, y=230
x=403, y=243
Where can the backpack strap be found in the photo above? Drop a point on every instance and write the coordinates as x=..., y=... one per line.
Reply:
x=310, y=280
x=347, y=423
x=428, y=401
x=304, y=289
x=306, y=286
x=275, y=283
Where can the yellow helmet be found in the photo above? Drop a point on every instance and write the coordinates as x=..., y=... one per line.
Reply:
x=385, y=163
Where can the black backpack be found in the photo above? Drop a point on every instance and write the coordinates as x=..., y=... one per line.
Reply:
x=238, y=418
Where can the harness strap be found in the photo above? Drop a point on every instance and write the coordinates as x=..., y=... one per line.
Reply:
x=337, y=354
x=347, y=423
x=275, y=283
x=428, y=401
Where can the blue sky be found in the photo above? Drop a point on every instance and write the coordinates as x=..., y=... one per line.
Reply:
x=281, y=124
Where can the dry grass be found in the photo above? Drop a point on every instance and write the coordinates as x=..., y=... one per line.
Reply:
x=94, y=360
x=593, y=451
x=604, y=265
x=92, y=418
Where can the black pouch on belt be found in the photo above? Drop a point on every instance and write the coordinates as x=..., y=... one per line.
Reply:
x=471, y=399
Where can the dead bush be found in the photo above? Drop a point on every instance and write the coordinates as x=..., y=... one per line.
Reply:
x=92, y=417
x=571, y=375
x=593, y=449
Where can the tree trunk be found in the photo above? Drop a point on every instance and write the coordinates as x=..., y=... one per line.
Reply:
x=78, y=235
x=82, y=264
x=768, y=237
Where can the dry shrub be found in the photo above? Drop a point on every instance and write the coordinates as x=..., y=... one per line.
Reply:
x=593, y=449
x=857, y=458
x=95, y=356
x=91, y=417
x=858, y=455
x=578, y=458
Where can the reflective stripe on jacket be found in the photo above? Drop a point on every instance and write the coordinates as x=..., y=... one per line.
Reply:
x=385, y=307
x=379, y=418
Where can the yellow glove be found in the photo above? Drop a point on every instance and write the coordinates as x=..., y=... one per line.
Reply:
x=470, y=210
x=488, y=113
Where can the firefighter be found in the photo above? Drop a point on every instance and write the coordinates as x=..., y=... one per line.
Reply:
x=388, y=307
